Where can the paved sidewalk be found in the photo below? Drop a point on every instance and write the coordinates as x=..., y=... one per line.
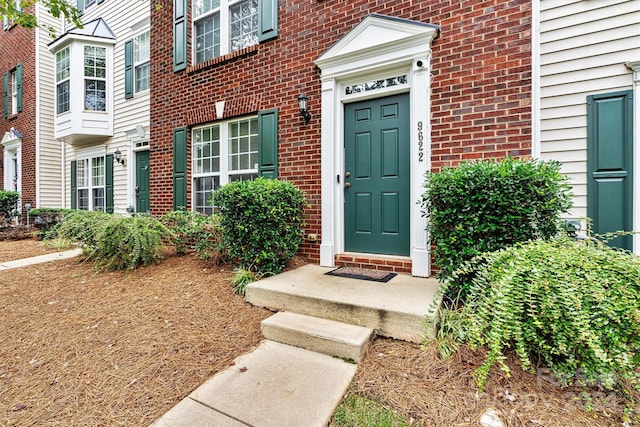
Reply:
x=276, y=385
x=40, y=259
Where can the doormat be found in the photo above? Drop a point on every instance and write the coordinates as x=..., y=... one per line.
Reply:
x=362, y=273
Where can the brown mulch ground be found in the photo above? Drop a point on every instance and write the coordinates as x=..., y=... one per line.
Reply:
x=16, y=249
x=121, y=348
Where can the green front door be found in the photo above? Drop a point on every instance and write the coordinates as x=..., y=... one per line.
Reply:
x=142, y=181
x=376, y=180
x=610, y=164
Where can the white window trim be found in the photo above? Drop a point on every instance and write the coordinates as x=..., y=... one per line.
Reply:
x=225, y=26
x=14, y=93
x=58, y=82
x=104, y=79
x=224, y=173
x=137, y=64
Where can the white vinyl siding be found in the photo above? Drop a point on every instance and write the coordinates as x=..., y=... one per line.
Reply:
x=583, y=48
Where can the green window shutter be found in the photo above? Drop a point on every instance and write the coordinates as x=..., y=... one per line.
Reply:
x=5, y=93
x=128, y=69
x=268, y=16
x=179, y=35
x=19, y=87
x=268, y=143
x=74, y=185
x=80, y=7
x=180, y=168
x=108, y=183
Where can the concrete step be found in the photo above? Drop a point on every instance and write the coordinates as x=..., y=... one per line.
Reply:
x=394, y=309
x=275, y=385
x=320, y=335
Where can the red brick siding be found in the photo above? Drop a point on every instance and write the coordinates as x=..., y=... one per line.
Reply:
x=17, y=47
x=481, y=88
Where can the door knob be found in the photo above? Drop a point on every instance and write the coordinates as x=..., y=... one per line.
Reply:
x=347, y=174
x=347, y=185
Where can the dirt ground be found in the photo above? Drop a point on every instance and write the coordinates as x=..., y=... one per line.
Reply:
x=80, y=348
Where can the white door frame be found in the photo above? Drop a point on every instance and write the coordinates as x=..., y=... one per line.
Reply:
x=380, y=47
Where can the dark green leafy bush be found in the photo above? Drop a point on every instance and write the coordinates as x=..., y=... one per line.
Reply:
x=8, y=204
x=192, y=230
x=126, y=242
x=485, y=206
x=81, y=226
x=115, y=242
x=261, y=222
x=573, y=306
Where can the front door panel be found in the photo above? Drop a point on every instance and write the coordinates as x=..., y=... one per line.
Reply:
x=142, y=181
x=377, y=183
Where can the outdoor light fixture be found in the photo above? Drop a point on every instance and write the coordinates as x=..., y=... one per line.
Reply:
x=302, y=104
x=118, y=156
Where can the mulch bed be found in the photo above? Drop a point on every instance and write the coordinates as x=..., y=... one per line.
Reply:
x=80, y=348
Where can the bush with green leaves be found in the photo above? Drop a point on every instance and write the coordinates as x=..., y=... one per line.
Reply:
x=485, y=206
x=115, y=242
x=8, y=204
x=261, y=222
x=573, y=306
x=80, y=226
x=193, y=230
x=47, y=219
x=124, y=243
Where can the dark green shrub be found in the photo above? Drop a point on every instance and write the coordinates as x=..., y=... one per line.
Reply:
x=485, y=206
x=573, y=306
x=81, y=226
x=123, y=243
x=261, y=222
x=194, y=231
x=8, y=204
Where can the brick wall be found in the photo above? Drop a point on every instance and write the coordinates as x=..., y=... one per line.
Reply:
x=17, y=47
x=481, y=85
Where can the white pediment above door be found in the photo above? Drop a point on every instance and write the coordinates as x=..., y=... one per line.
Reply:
x=380, y=36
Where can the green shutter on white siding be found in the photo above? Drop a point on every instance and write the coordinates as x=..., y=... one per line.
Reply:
x=108, y=183
x=268, y=16
x=5, y=93
x=128, y=69
x=268, y=143
x=74, y=185
x=180, y=169
x=19, y=88
x=179, y=35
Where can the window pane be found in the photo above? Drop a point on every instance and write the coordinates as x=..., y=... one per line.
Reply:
x=97, y=171
x=204, y=187
x=241, y=145
x=83, y=199
x=142, y=77
x=207, y=38
x=62, y=64
x=95, y=95
x=98, y=199
x=244, y=24
x=201, y=7
x=141, y=48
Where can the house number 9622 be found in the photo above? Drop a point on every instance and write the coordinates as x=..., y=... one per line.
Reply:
x=420, y=143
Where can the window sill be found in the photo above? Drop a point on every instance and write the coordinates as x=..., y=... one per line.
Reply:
x=223, y=59
x=12, y=116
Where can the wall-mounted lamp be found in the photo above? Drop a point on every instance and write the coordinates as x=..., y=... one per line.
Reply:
x=302, y=105
x=118, y=156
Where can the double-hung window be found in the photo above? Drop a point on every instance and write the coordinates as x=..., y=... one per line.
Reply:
x=17, y=6
x=223, y=26
x=141, y=61
x=95, y=78
x=91, y=184
x=222, y=153
x=63, y=72
x=14, y=93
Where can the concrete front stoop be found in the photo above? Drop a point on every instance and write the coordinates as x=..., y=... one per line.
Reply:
x=299, y=374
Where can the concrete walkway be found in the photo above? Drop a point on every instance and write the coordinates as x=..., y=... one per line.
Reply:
x=40, y=259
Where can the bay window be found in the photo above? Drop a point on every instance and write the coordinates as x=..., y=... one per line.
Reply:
x=62, y=81
x=95, y=82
